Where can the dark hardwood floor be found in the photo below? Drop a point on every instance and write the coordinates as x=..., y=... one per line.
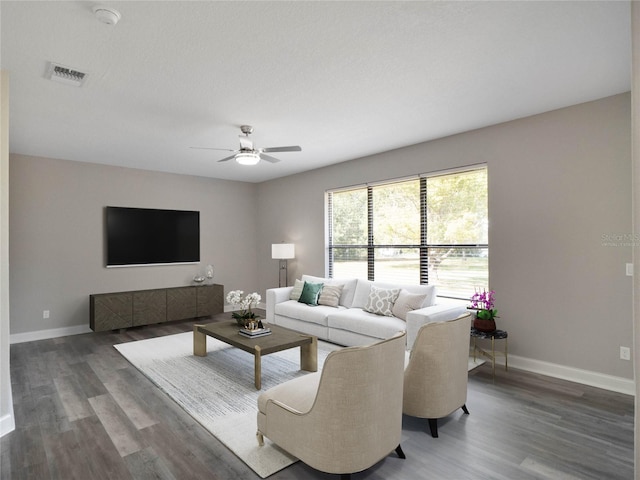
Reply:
x=71, y=394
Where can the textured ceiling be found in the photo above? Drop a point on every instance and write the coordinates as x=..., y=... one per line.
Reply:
x=341, y=79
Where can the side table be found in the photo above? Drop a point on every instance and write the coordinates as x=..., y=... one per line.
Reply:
x=493, y=336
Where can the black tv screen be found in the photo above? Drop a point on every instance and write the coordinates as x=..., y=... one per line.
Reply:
x=144, y=236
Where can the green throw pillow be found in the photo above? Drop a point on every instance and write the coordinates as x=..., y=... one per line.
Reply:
x=310, y=293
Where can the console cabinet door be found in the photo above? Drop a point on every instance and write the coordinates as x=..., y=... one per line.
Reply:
x=149, y=307
x=181, y=303
x=209, y=300
x=111, y=311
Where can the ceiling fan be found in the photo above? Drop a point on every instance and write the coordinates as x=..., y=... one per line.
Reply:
x=247, y=154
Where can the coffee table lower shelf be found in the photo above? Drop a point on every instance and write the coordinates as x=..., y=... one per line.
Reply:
x=280, y=339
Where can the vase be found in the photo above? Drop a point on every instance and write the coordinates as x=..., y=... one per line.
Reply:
x=484, y=325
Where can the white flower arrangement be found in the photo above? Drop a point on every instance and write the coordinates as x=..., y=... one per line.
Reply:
x=245, y=303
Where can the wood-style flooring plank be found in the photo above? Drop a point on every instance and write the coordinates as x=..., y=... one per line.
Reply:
x=82, y=411
x=131, y=404
x=72, y=397
x=106, y=462
x=123, y=434
x=177, y=455
x=147, y=465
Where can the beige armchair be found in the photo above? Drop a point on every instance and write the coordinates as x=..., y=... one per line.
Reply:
x=435, y=379
x=344, y=419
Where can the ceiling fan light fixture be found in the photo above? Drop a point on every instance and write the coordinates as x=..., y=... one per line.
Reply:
x=248, y=158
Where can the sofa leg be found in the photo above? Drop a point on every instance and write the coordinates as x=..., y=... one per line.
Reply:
x=260, y=439
x=345, y=476
x=464, y=409
x=400, y=452
x=433, y=426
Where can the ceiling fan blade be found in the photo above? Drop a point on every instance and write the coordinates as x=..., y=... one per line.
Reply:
x=226, y=159
x=269, y=158
x=293, y=148
x=211, y=148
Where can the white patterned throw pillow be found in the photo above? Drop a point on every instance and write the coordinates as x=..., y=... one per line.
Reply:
x=330, y=295
x=381, y=301
x=297, y=290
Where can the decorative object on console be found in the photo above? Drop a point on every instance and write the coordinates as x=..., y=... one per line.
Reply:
x=486, y=313
x=283, y=252
x=245, y=315
x=209, y=272
x=198, y=279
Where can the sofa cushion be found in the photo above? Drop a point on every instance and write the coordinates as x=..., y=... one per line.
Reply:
x=306, y=313
x=381, y=300
x=310, y=293
x=297, y=290
x=407, y=302
x=330, y=295
x=348, y=287
x=358, y=321
x=363, y=287
x=298, y=394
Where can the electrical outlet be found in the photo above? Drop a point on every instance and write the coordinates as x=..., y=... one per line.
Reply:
x=629, y=269
x=625, y=353
x=45, y=314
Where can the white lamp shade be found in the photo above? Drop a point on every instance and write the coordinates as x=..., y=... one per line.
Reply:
x=283, y=251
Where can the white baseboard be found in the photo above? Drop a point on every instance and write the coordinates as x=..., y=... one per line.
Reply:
x=7, y=423
x=577, y=375
x=75, y=330
x=46, y=334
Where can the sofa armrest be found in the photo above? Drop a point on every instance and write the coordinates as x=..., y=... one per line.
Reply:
x=275, y=296
x=434, y=313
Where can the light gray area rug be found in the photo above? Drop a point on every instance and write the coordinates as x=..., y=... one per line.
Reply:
x=218, y=390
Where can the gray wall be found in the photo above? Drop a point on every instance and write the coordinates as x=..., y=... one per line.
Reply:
x=558, y=182
x=57, y=235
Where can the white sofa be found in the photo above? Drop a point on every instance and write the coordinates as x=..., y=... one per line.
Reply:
x=348, y=323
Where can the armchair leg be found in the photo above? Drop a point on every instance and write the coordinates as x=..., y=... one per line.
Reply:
x=400, y=452
x=260, y=439
x=345, y=476
x=433, y=426
x=464, y=409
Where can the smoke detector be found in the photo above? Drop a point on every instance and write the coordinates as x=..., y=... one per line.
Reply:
x=110, y=16
x=68, y=76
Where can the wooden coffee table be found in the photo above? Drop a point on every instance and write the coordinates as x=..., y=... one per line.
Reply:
x=280, y=339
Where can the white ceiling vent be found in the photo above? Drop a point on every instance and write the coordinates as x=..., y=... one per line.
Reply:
x=66, y=75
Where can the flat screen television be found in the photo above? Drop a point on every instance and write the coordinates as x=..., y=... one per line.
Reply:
x=145, y=236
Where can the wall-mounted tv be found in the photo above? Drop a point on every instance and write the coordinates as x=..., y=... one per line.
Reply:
x=145, y=236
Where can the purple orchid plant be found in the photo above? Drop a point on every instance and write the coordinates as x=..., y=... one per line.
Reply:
x=484, y=303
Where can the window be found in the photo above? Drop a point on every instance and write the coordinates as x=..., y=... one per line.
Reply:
x=422, y=230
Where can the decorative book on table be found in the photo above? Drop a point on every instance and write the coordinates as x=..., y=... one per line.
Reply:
x=258, y=332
